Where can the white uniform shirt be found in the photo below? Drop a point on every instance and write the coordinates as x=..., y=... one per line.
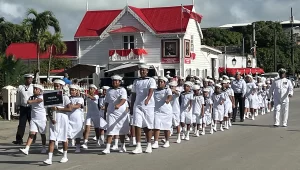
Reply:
x=185, y=101
x=23, y=94
x=92, y=105
x=207, y=103
x=141, y=88
x=226, y=96
x=38, y=111
x=251, y=89
x=281, y=89
x=101, y=101
x=114, y=97
x=217, y=98
x=77, y=100
x=197, y=105
x=160, y=97
x=175, y=101
x=66, y=101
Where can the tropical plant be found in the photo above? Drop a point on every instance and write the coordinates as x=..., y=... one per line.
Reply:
x=38, y=25
x=52, y=44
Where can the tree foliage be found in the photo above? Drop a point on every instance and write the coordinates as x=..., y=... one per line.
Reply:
x=221, y=37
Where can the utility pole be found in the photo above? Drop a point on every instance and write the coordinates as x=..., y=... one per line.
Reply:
x=292, y=42
x=275, y=55
x=254, y=43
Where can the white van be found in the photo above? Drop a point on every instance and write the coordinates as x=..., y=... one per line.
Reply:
x=270, y=75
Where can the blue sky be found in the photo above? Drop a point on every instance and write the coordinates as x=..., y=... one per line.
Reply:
x=215, y=12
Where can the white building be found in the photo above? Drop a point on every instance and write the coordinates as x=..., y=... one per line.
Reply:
x=160, y=37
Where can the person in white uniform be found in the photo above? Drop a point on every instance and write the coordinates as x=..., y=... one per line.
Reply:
x=175, y=108
x=227, y=103
x=38, y=120
x=186, y=104
x=132, y=128
x=117, y=113
x=251, y=102
x=75, y=116
x=162, y=112
x=283, y=90
x=59, y=124
x=198, y=109
x=218, y=99
x=143, y=108
x=207, y=117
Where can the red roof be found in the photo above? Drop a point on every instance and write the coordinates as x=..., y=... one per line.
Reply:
x=233, y=71
x=161, y=20
x=126, y=30
x=28, y=51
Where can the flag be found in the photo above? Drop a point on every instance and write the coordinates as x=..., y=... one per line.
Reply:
x=189, y=14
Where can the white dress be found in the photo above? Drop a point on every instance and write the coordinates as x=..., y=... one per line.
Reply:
x=162, y=111
x=251, y=100
x=218, y=109
x=176, y=108
x=185, y=113
x=75, y=119
x=227, y=103
x=207, y=118
x=38, y=122
x=101, y=103
x=198, y=102
x=59, y=131
x=93, y=113
x=118, y=123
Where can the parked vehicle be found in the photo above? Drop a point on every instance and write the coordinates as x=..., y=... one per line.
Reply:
x=270, y=75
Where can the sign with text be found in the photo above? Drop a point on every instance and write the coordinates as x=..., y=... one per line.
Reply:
x=53, y=98
x=169, y=60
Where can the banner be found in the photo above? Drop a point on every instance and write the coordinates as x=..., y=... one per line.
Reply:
x=53, y=98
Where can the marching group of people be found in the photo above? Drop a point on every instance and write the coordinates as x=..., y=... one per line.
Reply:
x=153, y=104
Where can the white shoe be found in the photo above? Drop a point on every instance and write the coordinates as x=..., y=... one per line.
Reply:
x=24, y=151
x=215, y=128
x=114, y=148
x=183, y=136
x=64, y=160
x=61, y=151
x=95, y=138
x=284, y=125
x=106, y=151
x=84, y=146
x=202, y=133
x=43, y=151
x=197, y=133
x=191, y=129
x=221, y=129
x=229, y=123
x=123, y=149
x=167, y=144
x=137, y=150
x=178, y=140
x=132, y=143
x=187, y=137
x=127, y=138
x=48, y=162
x=211, y=131
x=149, y=149
x=253, y=117
x=155, y=145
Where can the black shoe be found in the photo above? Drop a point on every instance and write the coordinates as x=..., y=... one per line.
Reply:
x=18, y=142
x=242, y=120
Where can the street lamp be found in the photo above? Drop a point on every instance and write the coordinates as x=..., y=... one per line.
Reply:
x=233, y=61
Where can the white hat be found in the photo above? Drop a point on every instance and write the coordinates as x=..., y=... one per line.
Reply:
x=173, y=83
x=232, y=78
x=168, y=72
x=163, y=78
x=92, y=86
x=38, y=86
x=282, y=70
x=144, y=66
x=28, y=76
x=116, y=77
x=105, y=87
x=228, y=81
x=73, y=86
x=210, y=80
x=59, y=81
x=206, y=79
x=198, y=82
x=224, y=82
x=249, y=75
x=218, y=85
x=206, y=90
x=189, y=83
x=220, y=79
x=100, y=91
x=268, y=82
x=225, y=77
x=155, y=77
x=265, y=85
x=129, y=87
x=196, y=87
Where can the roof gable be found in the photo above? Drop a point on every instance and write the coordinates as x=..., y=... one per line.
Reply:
x=161, y=20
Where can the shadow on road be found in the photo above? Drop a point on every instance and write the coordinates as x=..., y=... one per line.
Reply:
x=268, y=126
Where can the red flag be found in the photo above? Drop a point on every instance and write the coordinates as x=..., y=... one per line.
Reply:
x=189, y=14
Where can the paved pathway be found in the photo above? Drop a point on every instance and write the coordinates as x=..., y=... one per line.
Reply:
x=253, y=145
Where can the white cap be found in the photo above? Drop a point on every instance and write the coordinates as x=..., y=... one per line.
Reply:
x=196, y=87
x=155, y=77
x=220, y=79
x=198, y=82
x=206, y=90
x=207, y=80
x=105, y=87
x=73, y=86
x=59, y=81
x=173, y=83
x=265, y=85
x=231, y=78
x=163, y=78
x=92, y=86
x=144, y=66
x=100, y=91
x=129, y=87
x=28, y=76
x=268, y=82
x=224, y=82
x=116, y=77
x=38, y=86
x=228, y=81
x=189, y=83
x=168, y=72
x=225, y=77
x=249, y=75
x=218, y=85
x=210, y=80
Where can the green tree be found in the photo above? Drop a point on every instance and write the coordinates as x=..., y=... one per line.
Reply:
x=50, y=43
x=56, y=64
x=221, y=37
x=38, y=25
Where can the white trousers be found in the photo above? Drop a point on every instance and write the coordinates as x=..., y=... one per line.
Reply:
x=281, y=109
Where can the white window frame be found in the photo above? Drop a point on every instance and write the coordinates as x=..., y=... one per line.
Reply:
x=128, y=42
x=192, y=43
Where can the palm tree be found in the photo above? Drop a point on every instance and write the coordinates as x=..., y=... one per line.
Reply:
x=52, y=43
x=38, y=25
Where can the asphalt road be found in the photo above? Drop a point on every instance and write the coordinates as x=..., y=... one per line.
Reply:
x=253, y=145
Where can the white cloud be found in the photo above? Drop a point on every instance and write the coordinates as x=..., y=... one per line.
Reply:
x=215, y=12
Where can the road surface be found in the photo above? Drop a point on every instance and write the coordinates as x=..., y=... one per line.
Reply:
x=251, y=145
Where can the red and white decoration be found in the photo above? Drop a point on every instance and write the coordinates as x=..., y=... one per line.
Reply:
x=127, y=54
x=189, y=14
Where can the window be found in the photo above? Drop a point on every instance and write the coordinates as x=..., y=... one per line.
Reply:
x=197, y=72
x=192, y=43
x=128, y=42
x=194, y=72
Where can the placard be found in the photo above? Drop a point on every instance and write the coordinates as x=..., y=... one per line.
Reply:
x=53, y=98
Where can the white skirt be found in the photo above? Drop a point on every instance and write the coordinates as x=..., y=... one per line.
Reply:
x=38, y=126
x=75, y=125
x=143, y=116
x=176, y=119
x=251, y=102
x=118, y=123
x=186, y=117
x=59, y=131
x=218, y=112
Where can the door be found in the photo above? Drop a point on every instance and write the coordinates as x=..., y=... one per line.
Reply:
x=172, y=72
x=213, y=67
